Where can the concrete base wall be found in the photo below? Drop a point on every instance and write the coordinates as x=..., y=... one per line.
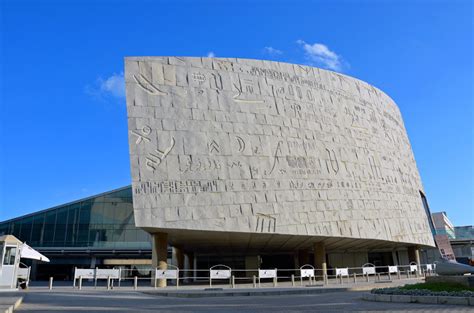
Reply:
x=467, y=281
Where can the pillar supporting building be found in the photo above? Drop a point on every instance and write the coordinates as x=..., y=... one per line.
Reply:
x=160, y=255
x=320, y=257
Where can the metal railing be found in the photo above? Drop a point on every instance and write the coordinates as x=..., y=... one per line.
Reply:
x=225, y=277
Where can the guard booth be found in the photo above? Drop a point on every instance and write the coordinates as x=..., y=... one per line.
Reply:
x=10, y=261
x=11, y=250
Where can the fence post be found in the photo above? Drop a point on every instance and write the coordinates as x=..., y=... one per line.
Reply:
x=80, y=282
x=259, y=284
x=95, y=278
x=292, y=280
x=135, y=282
x=51, y=283
x=254, y=281
x=74, y=281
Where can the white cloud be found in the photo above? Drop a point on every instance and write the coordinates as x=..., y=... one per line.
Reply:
x=272, y=51
x=211, y=54
x=320, y=54
x=113, y=86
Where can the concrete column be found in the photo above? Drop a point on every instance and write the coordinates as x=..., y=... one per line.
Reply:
x=179, y=260
x=191, y=262
x=395, y=257
x=160, y=255
x=414, y=254
x=320, y=257
x=93, y=262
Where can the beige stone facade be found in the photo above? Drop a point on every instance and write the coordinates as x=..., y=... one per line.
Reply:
x=259, y=154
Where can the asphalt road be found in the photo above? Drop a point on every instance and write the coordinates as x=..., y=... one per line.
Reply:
x=132, y=301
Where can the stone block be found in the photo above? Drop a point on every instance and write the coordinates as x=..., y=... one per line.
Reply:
x=369, y=296
x=382, y=298
x=400, y=298
x=453, y=300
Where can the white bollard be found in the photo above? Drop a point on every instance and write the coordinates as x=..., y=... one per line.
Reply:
x=51, y=283
x=135, y=282
x=80, y=282
x=233, y=281
x=292, y=280
x=254, y=281
x=108, y=282
x=355, y=278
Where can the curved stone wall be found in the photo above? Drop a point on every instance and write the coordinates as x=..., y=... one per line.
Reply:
x=252, y=146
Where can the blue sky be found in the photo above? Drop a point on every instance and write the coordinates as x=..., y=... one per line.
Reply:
x=63, y=125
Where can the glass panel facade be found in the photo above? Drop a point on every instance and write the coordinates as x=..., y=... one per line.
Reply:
x=464, y=232
x=105, y=221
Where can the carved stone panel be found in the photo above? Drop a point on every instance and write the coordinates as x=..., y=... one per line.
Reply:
x=263, y=147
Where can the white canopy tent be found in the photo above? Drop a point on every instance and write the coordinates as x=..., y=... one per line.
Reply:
x=28, y=252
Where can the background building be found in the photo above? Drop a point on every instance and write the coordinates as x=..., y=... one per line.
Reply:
x=267, y=163
x=95, y=231
x=443, y=225
x=457, y=241
x=250, y=164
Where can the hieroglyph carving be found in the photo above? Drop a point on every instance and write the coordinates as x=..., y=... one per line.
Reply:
x=146, y=85
x=154, y=159
x=143, y=135
x=265, y=223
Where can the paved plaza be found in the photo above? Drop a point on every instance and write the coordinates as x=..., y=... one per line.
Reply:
x=69, y=300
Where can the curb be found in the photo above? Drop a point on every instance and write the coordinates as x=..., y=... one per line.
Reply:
x=468, y=301
x=205, y=294
x=9, y=308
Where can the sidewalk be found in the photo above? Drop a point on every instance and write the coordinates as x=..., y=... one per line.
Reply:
x=204, y=290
